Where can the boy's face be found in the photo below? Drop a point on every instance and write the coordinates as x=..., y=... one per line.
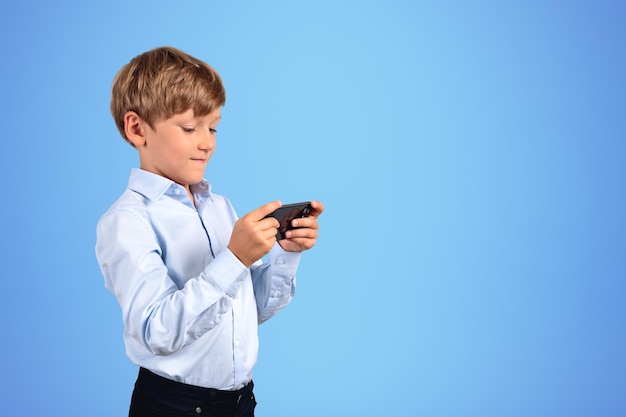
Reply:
x=180, y=147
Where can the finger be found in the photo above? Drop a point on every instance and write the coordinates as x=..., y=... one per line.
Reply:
x=297, y=244
x=318, y=208
x=268, y=223
x=306, y=222
x=302, y=233
x=264, y=210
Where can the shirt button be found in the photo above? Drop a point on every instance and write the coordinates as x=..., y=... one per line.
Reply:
x=198, y=410
x=177, y=191
x=237, y=342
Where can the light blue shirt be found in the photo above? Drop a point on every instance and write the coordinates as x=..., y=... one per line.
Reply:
x=190, y=308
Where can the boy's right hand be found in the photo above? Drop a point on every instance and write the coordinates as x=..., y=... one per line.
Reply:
x=254, y=235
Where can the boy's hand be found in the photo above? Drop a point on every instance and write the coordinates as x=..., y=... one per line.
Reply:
x=303, y=238
x=253, y=236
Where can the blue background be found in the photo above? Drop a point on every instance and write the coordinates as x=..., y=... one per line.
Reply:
x=471, y=157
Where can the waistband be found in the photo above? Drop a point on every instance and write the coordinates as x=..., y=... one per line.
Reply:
x=148, y=378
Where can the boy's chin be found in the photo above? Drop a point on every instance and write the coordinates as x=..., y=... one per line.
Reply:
x=195, y=176
x=195, y=180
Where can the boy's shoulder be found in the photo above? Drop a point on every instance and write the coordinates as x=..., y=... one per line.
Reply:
x=142, y=188
x=128, y=202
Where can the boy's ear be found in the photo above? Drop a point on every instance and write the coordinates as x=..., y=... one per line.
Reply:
x=134, y=127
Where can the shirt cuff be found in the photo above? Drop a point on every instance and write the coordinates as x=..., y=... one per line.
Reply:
x=227, y=272
x=285, y=263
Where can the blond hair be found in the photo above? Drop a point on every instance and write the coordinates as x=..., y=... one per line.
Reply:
x=163, y=82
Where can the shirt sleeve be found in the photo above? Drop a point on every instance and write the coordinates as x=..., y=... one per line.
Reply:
x=274, y=282
x=155, y=311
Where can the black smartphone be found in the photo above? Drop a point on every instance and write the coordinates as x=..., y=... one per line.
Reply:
x=287, y=213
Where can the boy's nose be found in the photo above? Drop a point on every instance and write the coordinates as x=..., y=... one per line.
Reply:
x=207, y=141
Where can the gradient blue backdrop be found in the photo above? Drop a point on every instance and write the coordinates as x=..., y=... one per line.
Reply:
x=471, y=156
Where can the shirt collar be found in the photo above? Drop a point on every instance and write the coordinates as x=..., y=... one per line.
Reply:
x=153, y=186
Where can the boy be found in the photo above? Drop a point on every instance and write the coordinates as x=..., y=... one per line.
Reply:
x=185, y=270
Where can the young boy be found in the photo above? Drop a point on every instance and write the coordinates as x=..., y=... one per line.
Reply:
x=185, y=270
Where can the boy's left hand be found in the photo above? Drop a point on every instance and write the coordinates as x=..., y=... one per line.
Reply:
x=303, y=238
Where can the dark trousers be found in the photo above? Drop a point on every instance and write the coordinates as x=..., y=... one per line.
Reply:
x=157, y=396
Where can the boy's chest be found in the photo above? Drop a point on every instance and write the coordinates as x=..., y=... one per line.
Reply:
x=189, y=243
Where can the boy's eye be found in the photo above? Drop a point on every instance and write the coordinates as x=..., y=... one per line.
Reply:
x=193, y=129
